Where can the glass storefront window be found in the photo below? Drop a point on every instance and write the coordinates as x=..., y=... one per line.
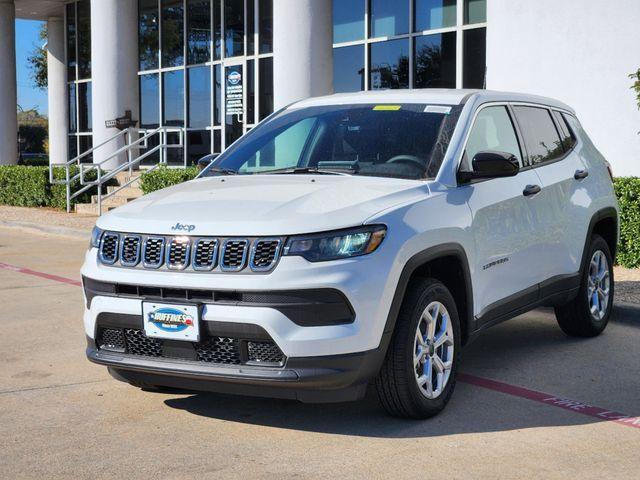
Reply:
x=348, y=20
x=199, y=97
x=198, y=145
x=251, y=27
x=173, y=98
x=475, y=51
x=234, y=27
x=198, y=31
x=265, y=10
x=217, y=95
x=84, y=39
x=86, y=143
x=148, y=45
x=266, y=87
x=172, y=42
x=348, y=69
x=71, y=41
x=149, y=101
x=389, y=17
x=431, y=14
x=389, y=64
x=435, y=61
x=84, y=106
x=217, y=30
x=73, y=113
x=251, y=92
x=475, y=11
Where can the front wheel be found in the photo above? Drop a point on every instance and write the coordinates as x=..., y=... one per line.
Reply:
x=419, y=372
x=588, y=314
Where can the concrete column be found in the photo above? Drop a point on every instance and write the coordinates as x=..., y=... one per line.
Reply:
x=114, y=70
x=302, y=46
x=57, y=92
x=8, y=93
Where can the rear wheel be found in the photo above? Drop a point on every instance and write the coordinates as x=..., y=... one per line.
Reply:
x=588, y=314
x=418, y=375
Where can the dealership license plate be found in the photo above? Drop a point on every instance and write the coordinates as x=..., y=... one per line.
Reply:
x=169, y=321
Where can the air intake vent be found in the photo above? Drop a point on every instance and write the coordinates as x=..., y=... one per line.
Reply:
x=153, y=252
x=130, y=251
x=264, y=254
x=265, y=353
x=178, y=254
x=109, y=248
x=234, y=255
x=205, y=254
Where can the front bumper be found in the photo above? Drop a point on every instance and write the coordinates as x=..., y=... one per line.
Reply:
x=335, y=378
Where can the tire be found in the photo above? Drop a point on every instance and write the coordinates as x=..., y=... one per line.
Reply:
x=397, y=384
x=576, y=318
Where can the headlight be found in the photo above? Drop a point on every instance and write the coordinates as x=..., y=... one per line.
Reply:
x=96, y=235
x=335, y=245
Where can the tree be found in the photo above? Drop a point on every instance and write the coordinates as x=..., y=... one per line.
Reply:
x=38, y=61
x=636, y=85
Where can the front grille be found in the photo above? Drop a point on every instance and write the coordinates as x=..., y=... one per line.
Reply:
x=178, y=255
x=139, y=344
x=234, y=255
x=264, y=254
x=219, y=350
x=112, y=339
x=109, y=248
x=153, y=252
x=130, y=251
x=205, y=254
x=215, y=349
x=199, y=254
x=265, y=353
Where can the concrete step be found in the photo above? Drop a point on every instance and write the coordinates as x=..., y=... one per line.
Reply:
x=92, y=209
x=115, y=201
x=128, y=192
x=124, y=177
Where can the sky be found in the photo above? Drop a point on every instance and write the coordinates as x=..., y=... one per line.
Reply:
x=26, y=40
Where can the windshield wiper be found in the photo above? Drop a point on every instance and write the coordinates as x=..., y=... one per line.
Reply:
x=307, y=170
x=222, y=171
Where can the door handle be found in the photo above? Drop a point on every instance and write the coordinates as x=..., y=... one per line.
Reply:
x=580, y=174
x=531, y=190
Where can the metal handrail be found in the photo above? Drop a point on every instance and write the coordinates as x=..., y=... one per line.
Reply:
x=128, y=149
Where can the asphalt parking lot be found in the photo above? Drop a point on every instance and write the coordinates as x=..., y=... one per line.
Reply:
x=532, y=402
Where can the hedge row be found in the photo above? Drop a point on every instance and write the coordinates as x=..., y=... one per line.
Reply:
x=25, y=186
x=163, y=177
x=29, y=187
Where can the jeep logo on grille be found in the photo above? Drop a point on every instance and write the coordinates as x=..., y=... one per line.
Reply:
x=179, y=227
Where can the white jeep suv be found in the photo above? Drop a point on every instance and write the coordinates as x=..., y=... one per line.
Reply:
x=356, y=239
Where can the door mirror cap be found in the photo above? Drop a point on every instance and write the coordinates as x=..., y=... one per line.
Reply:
x=491, y=164
x=205, y=161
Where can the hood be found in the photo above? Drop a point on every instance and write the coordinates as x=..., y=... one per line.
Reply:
x=262, y=205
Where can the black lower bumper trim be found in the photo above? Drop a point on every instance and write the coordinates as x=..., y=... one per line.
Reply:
x=335, y=378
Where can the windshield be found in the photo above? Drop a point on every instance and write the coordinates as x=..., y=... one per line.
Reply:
x=376, y=140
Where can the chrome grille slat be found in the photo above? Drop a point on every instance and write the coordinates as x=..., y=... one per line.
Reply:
x=205, y=254
x=109, y=248
x=153, y=252
x=130, y=250
x=178, y=253
x=264, y=254
x=234, y=254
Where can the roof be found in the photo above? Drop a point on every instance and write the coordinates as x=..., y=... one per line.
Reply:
x=39, y=9
x=435, y=96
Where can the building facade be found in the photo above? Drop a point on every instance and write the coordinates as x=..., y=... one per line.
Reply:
x=213, y=69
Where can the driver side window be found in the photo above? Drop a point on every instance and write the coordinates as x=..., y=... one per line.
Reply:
x=492, y=130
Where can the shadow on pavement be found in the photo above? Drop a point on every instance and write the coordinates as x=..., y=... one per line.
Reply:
x=521, y=350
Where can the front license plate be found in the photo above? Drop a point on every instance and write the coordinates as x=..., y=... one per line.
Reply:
x=175, y=322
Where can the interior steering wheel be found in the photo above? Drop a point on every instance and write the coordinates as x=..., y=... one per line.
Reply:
x=412, y=159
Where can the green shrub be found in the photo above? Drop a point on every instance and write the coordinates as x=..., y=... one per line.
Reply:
x=24, y=186
x=163, y=177
x=628, y=193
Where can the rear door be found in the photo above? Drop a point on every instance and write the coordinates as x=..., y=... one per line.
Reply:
x=504, y=225
x=564, y=200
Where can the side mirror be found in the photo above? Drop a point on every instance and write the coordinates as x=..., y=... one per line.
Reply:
x=491, y=164
x=205, y=161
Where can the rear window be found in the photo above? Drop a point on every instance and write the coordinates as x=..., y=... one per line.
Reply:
x=540, y=134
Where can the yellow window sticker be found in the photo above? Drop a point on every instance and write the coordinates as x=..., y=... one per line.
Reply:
x=388, y=108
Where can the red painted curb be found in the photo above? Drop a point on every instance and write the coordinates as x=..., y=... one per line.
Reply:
x=27, y=271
